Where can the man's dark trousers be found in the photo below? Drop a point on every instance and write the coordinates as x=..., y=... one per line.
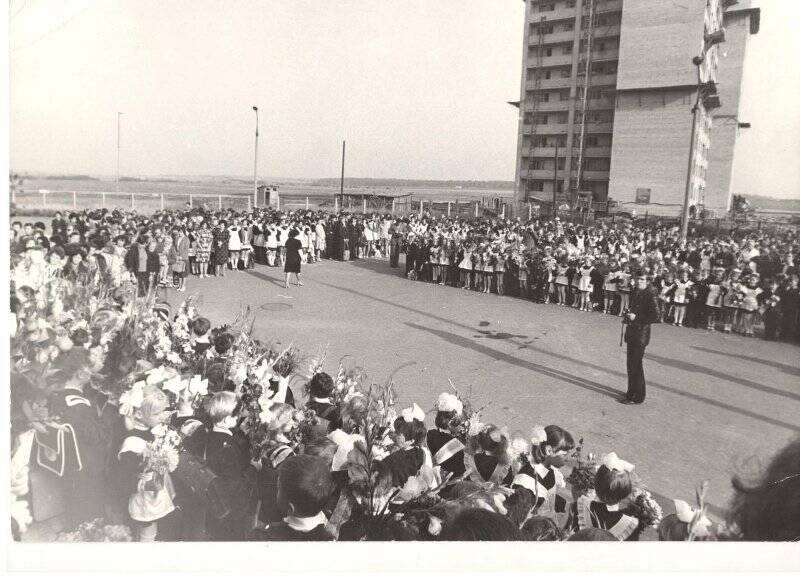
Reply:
x=636, y=385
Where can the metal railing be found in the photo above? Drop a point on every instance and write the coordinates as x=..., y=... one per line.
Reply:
x=147, y=203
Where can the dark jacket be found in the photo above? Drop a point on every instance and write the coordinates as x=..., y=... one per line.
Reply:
x=643, y=304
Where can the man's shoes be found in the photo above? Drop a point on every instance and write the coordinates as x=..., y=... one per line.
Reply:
x=626, y=401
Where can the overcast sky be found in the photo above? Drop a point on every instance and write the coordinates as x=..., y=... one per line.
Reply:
x=418, y=88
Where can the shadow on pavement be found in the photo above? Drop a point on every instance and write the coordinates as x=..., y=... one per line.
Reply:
x=694, y=368
x=582, y=363
x=788, y=369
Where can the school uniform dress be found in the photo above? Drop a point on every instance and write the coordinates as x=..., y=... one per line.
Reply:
x=543, y=482
x=487, y=468
x=447, y=451
x=327, y=414
x=143, y=505
x=593, y=513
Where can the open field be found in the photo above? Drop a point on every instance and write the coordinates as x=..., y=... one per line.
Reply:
x=147, y=195
x=715, y=402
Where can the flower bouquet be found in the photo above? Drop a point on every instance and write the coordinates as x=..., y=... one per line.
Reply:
x=160, y=457
x=97, y=531
x=581, y=477
x=643, y=506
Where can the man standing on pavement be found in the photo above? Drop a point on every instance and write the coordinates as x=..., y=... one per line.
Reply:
x=397, y=231
x=642, y=312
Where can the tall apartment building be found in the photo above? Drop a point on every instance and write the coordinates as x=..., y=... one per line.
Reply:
x=607, y=92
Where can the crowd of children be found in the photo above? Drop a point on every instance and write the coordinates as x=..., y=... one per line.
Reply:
x=152, y=424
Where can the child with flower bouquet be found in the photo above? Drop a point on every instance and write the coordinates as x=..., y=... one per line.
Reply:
x=447, y=449
x=600, y=507
x=540, y=472
x=487, y=456
x=320, y=392
x=148, y=454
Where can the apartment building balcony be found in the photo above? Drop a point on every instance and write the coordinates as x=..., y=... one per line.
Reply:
x=554, y=15
x=555, y=83
x=607, y=31
x=549, y=128
x=592, y=176
x=558, y=36
x=608, y=6
x=543, y=152
x=544, y=106
x=605, y=55
x=593, y=127
x=600, y=104
x=594, y=151
x=538, y=174
x=597, y=80
x=556, y=60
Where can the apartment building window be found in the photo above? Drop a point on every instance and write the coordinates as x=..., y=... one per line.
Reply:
x=543, y=97
x=591, y=141
x=601, y=46
x=611, y=68
x=561, y=119
x=565, y=74
x=537, y=186
x=570, y=3
x=541, y=119
x=567, y=49
x=548, y=52
x=547, y=7
x=536, y=164
x=563, y=96
x=561, y=162
x=560, y=187
x=595, y=93
x=569, y=26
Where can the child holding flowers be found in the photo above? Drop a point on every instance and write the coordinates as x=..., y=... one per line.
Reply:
x=147, y=456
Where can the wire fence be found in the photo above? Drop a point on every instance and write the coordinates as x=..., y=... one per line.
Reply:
x=146, y=203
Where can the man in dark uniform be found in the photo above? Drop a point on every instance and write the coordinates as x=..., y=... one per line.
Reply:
x=397, y=231
x=642, y=312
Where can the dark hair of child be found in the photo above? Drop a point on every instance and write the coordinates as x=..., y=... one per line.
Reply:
x=557, y=438
x=612, y=486
x=304, y=482
x=769, y=509
x=223, y=343
x=478, y=524
x=321, y=385
x=444, y=420
x=413, y=431
x=540, y=528
x=592, y=534
x=201, y=326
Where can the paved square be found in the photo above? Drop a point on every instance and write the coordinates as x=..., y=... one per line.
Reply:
x=714, y=401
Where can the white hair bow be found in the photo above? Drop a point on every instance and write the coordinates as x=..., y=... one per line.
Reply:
x=686, y=513
x=413, y=413
x=449, y=402
x=131, y=399
x=614, y=462
x=538, y=436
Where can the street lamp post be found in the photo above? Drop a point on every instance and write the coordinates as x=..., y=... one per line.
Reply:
x=119, y=117
x=255, y=164
x=698, y=60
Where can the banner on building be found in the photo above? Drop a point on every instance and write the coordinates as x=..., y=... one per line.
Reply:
x=642, y=195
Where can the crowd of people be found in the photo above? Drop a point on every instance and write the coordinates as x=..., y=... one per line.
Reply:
x=151, y=423
x=733, y=283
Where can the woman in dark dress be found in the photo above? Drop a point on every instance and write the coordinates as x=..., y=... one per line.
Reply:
x=292, y=265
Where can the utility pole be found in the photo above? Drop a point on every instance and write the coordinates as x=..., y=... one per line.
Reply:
x=341, y=181
x=119, y=117
x=555, y=180
x=255, y=164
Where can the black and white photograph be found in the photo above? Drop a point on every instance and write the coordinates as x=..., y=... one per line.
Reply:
x=422, y=274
